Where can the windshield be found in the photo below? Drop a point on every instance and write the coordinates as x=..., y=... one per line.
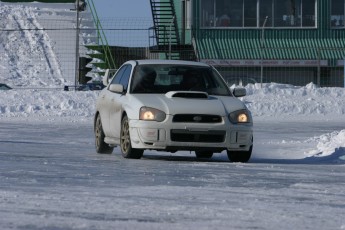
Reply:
x=164, y=78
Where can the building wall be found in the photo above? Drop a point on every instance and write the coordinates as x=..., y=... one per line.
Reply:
x=320, y=44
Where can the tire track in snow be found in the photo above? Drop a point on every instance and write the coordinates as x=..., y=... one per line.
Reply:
x=29, y=52
x=39, y=39
x=50, y=55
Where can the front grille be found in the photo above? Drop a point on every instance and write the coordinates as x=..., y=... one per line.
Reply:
x=197, y=118
x=182, y=135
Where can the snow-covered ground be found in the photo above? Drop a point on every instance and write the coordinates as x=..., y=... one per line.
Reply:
x=271, y=104
x=51, y=177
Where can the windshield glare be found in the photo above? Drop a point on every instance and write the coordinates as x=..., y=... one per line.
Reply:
x=164, y=78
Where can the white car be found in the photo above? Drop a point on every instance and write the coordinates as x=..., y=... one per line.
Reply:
x=170, y=106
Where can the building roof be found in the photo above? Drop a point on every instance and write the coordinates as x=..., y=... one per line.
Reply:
x=242, y=48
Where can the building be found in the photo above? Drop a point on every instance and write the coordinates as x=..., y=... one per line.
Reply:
x=284, y=41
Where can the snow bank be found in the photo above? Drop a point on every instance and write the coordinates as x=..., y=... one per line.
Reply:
x=47, y=104
x=277, y=102
x=286, y=101
x=27, y=53
x=273, y=101
x=328, y=144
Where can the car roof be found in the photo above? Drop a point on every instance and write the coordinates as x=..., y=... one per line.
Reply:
x=162, y=62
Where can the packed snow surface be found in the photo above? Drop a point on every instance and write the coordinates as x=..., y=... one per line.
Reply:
x=57, y=181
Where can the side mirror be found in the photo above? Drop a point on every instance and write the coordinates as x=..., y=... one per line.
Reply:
x=107, y=75
x=116, y=88
x=239, y=92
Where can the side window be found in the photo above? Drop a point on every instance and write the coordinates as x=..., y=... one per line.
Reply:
x=116, y=79
x=125, y=77
x=122, y=76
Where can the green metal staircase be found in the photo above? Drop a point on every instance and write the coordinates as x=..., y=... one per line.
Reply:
x=165, y=30
x=102, y=49
x=164, y=35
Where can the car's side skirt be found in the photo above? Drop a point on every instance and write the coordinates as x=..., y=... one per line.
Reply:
x=112, y=141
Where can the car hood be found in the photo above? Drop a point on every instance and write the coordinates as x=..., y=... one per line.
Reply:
x=186, y=103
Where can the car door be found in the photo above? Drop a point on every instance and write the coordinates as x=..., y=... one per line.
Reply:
x=116, y=103
x=105, y=102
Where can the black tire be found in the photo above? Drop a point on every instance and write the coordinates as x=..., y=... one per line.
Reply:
x=240, y=156
x=101, y=146
x=203, y=154
x=125, y=142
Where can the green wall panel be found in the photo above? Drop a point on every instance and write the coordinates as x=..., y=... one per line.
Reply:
x=298, y=43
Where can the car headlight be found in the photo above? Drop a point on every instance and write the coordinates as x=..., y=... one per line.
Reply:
x=151, y=114
x=240, y=117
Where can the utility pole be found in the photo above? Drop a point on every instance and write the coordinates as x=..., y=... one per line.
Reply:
x=77, y=47
x=319, y=67
x=172, y=21
x=261, y=48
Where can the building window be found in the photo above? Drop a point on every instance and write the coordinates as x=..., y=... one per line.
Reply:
x=208, y=9
x=252, y=13
x=265, y=9
x=236, y=12
x=308, y=13
x=337, y=13
x=287, y=13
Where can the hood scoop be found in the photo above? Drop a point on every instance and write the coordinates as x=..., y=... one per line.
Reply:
x=187, y=94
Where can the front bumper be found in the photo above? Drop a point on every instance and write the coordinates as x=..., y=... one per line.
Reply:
x=172, y=136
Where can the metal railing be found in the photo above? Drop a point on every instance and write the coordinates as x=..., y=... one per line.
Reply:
x=109, y=59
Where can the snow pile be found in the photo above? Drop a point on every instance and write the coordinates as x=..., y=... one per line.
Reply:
x=328, y=144
x=276, y=102
x=47, y=104
x=279, y=100
x=273, y=100
x=27, y=53
x=286, y=102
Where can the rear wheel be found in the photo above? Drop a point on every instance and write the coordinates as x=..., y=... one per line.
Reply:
x=125, y=142
x=203, y=154
x=101, y=146
x=240, y=156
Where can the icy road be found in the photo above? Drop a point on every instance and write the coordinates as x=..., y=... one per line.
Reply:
x=51, y=178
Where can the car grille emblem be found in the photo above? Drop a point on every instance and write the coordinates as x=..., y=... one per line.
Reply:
x=197, y=118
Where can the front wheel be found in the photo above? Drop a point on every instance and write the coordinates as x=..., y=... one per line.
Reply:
x=240, y=156
x=125, y=142
x=101, y=146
